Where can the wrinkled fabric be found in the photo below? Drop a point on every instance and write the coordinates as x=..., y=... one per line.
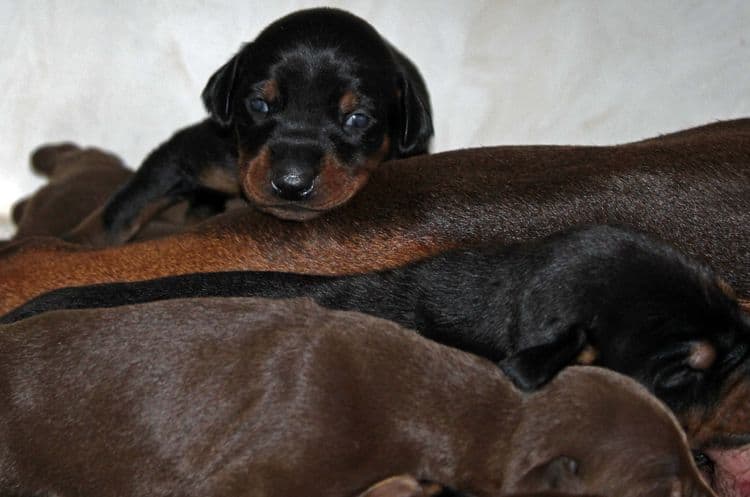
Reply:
x=731, y=476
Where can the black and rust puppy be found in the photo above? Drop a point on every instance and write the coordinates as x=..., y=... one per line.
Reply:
x=627, y=301
x=298, y=119
x=258, y=398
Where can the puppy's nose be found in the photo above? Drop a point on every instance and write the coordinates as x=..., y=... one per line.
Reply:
x=293, y=183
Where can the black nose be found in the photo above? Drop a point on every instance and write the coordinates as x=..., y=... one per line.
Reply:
x=293, y=183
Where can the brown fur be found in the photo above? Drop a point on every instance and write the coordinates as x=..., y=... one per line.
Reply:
x=232, y=397
x=691, y=188
x=220, y=179
x=80, y=180
x=348, y=102
x=270, y=90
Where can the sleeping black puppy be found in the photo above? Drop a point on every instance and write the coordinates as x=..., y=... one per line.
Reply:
x=298, y=119
x=600, y=295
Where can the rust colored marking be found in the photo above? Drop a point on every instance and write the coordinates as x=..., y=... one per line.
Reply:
x=220, y=179
x=726, y=288
x=255, y=175
x=339, y=182
x=702, y=355
x=587, y=356
x=270, y=90
x=336, y=184
x=348, y=102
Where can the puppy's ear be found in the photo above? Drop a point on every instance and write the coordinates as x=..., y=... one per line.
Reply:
x=533, y=367
x=415, y=113
x=217, y=95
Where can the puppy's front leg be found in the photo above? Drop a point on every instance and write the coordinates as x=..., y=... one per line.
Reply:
x=202, y=155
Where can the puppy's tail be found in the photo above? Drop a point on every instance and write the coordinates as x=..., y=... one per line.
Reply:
x=44, y=160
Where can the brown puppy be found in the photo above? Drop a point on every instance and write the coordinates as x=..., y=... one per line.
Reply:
x=691, y=188
x=257, y=397
x=80, y=181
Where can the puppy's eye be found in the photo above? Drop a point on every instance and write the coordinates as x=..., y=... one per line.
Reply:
x=257, y=106
x=356, y=121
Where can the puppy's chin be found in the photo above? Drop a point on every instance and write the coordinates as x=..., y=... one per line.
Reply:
x=290, y=212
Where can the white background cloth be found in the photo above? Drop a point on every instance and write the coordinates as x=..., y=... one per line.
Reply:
x=123, y=75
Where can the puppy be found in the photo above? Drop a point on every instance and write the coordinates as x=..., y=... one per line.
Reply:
x=692, y=188
x=79, y=182
x=601, y=295
x=233, y=397
x=299, y=118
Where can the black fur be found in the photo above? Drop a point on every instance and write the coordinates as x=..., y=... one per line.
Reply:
x=531, y=307
x=313, y=57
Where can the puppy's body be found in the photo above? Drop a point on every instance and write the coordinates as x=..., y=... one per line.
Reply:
x=298, y=119
x=232, y=397
x=643, y=309
x=691, y=188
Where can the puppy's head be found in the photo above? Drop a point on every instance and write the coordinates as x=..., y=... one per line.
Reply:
x=668, y=321
x=684, y=337
x=593, y=430
x=317, y=101
x=626, y=301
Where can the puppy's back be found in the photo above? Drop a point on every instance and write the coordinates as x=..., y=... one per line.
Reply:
x=208, y=396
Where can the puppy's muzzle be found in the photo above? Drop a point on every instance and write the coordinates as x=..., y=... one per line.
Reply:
x=294, y=168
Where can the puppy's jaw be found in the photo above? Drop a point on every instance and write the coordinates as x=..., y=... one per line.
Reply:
x=335, y=183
